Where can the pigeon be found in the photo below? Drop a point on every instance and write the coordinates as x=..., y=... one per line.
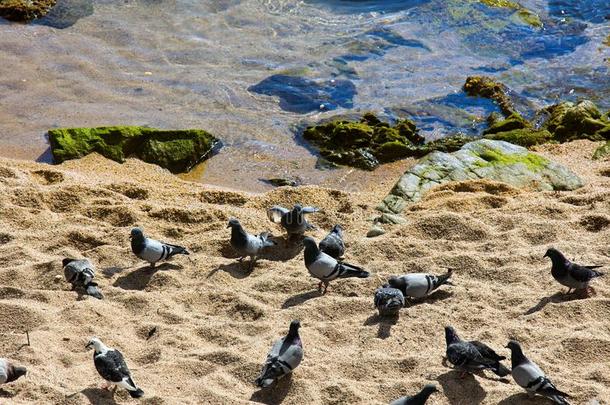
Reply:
x=419, y=398
x=333, y=244
x=419, y=285
x=110, y=364
x=152, y=250
x=572, y=275
x=80, y=274
x=530, y=377
x=246, y=244
x=285, y=355
x=325, y=268
x=472, y=356
x=292, y=220
x=388, y=300
x=9, y=372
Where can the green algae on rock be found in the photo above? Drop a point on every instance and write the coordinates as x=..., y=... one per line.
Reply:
x=568, y=121
x=25, y=10
x=481, y=159
x=175, y=150
x=525, y=15
x=369, y=142
x=602, y=152
x=486, y=87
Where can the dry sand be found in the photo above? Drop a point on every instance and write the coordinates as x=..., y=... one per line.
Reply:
x=215, y=323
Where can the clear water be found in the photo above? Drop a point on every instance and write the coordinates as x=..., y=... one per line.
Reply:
x=254, y=72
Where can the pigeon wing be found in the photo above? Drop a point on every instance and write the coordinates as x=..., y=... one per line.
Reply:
x=276, y=213
x=310, y=210
x=582, y=273
x=111, y=366
x=3, y=371
x=487, y=351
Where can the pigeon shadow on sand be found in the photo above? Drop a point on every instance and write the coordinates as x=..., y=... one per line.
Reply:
x=236, y=269
x=440, y=295
x=461, y=391
x=555, y=299
x=285, y=250
x=98, y=396
x=109, y=272
x=275, y=394
x=384, y=323
x=6, y=394
x=300, y=299
x=522, y=399
x=139, y=278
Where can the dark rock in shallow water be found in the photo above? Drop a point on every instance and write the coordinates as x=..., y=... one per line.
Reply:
x=24, y=10
x=175, y=150
x=66, y=13
x=369, y=142
x=301, y=95
x=282, y=182
x=486, y=87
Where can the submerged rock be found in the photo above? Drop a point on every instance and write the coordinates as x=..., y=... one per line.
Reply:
x=24, y=10
x=524, y=14
x=369, y=142
x=175, y=150
x=486, y=87
x=481, y=159
x=66, y=13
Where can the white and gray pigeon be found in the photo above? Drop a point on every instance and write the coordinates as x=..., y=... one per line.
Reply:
x=80, y=273
x=10, y=372
x=389, y=301
x=473, y=356
x=152, y=250
x=246, y=244
x=285, y=355
x=292, y=220
x=417, y=399
x=111, y=365
x=419, y=285
x=572, y=275
x=530, y=377
x=326, y=268
x=333, y=244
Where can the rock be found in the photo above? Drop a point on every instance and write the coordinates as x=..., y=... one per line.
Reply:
x=523, y=137
x=486, y=87
x=484, y=158
x=386, y=218
x=175, y=150
x=568, y=121
x=369, y=142
x=24, y=10
x=282, y=182
x=66, y=13
x=602, y=152
x=375, y=231
x=525, y=15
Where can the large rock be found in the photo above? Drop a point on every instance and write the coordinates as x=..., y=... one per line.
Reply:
x=175, y=150
x=24, y=10
x=484, y=158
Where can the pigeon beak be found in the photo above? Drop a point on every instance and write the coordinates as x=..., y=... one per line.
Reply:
x=88, y=345
x=228, y=226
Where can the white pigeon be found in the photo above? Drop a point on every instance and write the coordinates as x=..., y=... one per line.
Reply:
x=285, y=355
x=152, y=250
x=246, y=244
x=111, y=365
x=9, y=372
x=80, y=273
x=530, y=377
x=419, y=285
x=326, y=268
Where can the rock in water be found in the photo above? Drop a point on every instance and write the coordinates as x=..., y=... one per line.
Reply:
x=481, y=159
x=175, y=150
x=25, y=10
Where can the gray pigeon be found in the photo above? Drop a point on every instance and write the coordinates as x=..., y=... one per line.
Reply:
x=292, y=220
x=473, y=356
x=10, y=372
x=152, y=250
x=325, y=267
x=285, y=355
x=333, y=244
x=572, y=275
x=246, y=244
x=111, y=365
x=80, y=274
x=419, y=285
x=531, y=378
x=419, y=398
x=389, y=301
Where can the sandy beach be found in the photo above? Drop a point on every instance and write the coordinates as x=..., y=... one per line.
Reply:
x=197, y=332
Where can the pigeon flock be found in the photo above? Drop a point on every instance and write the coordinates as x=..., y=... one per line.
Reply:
x=324, y=262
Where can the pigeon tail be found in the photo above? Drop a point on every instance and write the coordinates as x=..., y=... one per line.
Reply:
x=349, y=270
x=501, y=370
x=176, y=250
x=138, y=393
x=444, y=279
x=93, y=290
x=596, y=273
x=271, y=373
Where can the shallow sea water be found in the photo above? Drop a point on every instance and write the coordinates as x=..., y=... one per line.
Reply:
x=254, y=72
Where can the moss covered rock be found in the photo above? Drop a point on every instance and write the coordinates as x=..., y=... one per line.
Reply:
x=25, y=10
x=486, y=87
x=369, y=142
x=175, y=150
x=525, y=15
x=568, y=121
x=602, y=152
x=481, y=159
